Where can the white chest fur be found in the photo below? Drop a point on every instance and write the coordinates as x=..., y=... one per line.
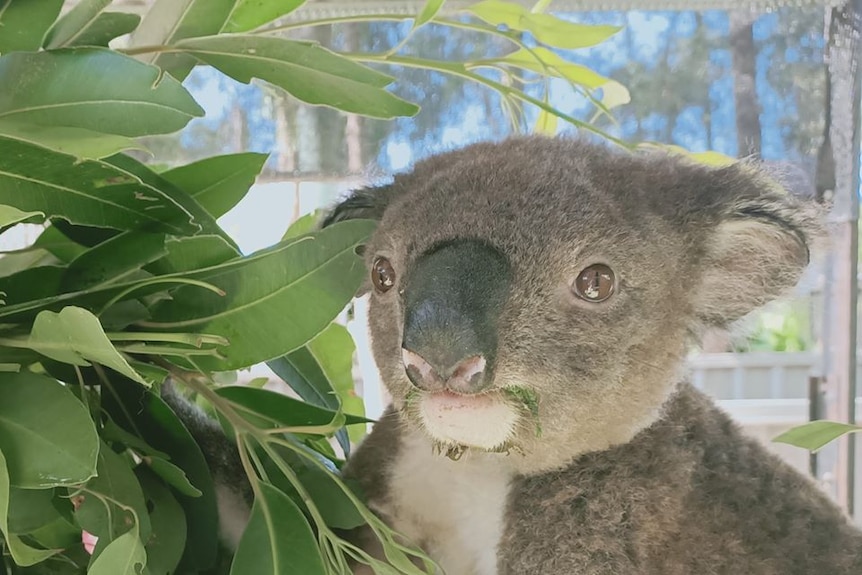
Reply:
x=455, y=509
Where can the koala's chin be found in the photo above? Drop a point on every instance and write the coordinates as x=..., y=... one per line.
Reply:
x=485, y=422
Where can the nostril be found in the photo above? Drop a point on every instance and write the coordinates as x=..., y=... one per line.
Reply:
x=468, y=375
x=420, y=372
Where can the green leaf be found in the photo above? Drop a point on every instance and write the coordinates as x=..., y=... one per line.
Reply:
x=21, y=552
x=23, y=23
x=10, y=215
x=429, y=11
x=278, y=539
x=271, y=409
x=172, y=475
x=220, y=182
x=168, y=523
x=30, y=509
x=77, y=88
x=250, y=14
x=332, y=503
x=545, y=28
x=103, y=507
x=265, y=313
x=304, y=225
x=76, y=142
x=75, y=336
x=90, y=192
x=154, y=181
x=305, y=70
x=112, y=260
x=815, y=434
x=321, y=374
x=157, y=424
x=106, y=27
x=46, y=434
x=193, y=253
x=70, y=26
x=31, y=283
x=543, y=61
x=168, y=21
x=125, y=555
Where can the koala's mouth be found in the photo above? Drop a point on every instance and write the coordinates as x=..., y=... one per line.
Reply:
x=485, y=422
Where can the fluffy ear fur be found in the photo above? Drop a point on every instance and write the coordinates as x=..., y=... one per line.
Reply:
x=759, y=248
x=364, y=203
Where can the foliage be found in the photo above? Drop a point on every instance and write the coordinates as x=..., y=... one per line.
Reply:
x=133, y=282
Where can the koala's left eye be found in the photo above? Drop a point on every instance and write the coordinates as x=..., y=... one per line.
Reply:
x=382, y=275
x=595, y=283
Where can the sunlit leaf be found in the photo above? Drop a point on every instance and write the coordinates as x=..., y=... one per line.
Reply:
x=46, y=434
x=270, y=409
x=815, y=434
x=545, y=62
x=278, y=539
x=545, y=28
x=23, y=23
x=75, y=336
x=250, y=14
x=305, y=70
x=428, y=12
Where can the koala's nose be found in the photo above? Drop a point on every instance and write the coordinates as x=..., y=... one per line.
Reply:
x=465, y=376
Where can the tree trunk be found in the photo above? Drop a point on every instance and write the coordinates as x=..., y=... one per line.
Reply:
x=748, y=134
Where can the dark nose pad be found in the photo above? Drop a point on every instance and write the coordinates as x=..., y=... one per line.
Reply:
x=467, y=376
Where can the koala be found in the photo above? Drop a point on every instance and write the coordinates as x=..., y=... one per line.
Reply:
x=531, y=305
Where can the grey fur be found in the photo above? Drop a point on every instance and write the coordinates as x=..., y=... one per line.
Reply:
x=634, y=472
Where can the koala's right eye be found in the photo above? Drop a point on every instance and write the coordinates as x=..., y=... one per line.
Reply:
x=382, y=275
x=595, y=283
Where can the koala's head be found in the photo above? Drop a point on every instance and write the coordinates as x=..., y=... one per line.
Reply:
x=537, y=296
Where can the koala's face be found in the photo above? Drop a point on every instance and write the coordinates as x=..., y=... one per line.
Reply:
x=536, y=296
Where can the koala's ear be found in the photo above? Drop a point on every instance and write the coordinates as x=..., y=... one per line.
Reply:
x=365, y=203
x=759, y=246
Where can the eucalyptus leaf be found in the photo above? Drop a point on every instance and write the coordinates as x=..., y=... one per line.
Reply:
x=125, y=555
x=816, y=434
x=77, y=88
x=168, y=523
x=22, y=553
x=278, y=539
x=75, y=336
x=281, y=410
x=10, y=215
x=103, y=506
x=112, y=260
x=218, y=183
x=78, y=142
x=547, y=29
x=36, y=179
x=23, y=23
x=46, y=434
x=305, y=70
x=250, y=14
x=159, y=426
x=173, y=475
x=263, y=314
x=193, y=253
x=74, y=22
x=106, y=27
x=168, y=21
x=30, y=509
x=429, y=11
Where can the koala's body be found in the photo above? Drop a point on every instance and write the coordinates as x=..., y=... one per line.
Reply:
x=532, y=302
